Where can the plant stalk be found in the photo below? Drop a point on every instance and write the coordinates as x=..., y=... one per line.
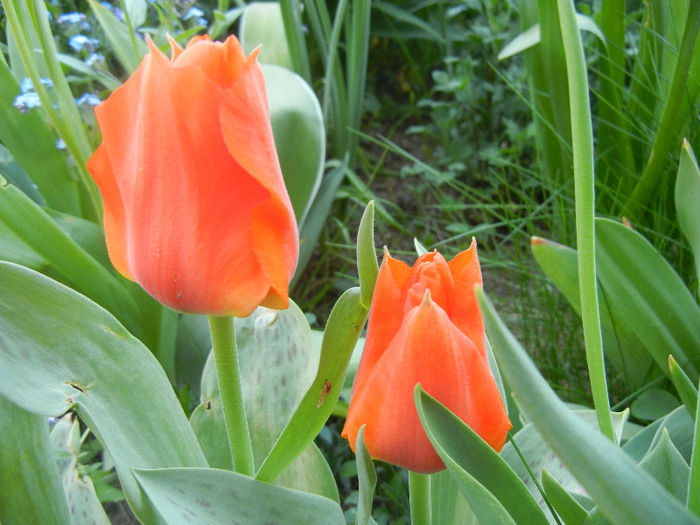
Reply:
x=584, y=182
x=419, y=494
x=224, y=342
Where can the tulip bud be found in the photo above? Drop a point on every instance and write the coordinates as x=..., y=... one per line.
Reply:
x=195, y=207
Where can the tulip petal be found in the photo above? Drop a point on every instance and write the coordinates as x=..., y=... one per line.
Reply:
x=465, y=312
x=430, y=350
x=188, y=203
x=222, y=63
x=385, y=315
x=114, y=221
x=430, y=272
x=245, y=124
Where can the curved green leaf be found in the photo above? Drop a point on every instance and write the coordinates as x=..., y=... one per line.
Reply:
x=366, y=479
x=623, y=490
x=367, y=267
x=687, y=198
x=29, y=481
x=651, y=298
x=300, y=137
x=477, y=468
x=210, y=497
x=261, y=26
x=59, y=350
x=570, y=510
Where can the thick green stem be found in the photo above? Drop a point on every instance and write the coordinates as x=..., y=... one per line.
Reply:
x=419, y=491
x=223, y=340
x=584, y=183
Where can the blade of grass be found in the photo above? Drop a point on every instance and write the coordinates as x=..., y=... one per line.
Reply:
x=582, y=140
x=291, y=16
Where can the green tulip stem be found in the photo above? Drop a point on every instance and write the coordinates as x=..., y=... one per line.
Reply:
x=419, y=493
x=223, y=339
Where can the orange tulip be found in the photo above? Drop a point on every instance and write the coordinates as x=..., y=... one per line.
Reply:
x=195, y=207
x=424, y=327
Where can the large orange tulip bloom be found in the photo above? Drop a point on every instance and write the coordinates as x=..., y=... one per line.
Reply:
x=195, y=207
x=424, y=327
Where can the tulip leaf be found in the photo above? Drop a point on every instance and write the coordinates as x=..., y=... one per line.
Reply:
x=366, y=479
x=127, y=47
x=652, y=404
x=261, y=26
x=622, y=347
x=60, y=350
x=367, y=267
x=694, y=481
x=29, y=479
x=668, y=467
x=300, y=137
x=38, y=231
x=201, y=496
x=343, y=328
x=448, y=502
x=684, y=386
x=679, y=426
x=687, y=198
x=477, y=468
x=623, y=490
x=568, y=509
x=43, y=162
x=277, y=358
x=659, y=309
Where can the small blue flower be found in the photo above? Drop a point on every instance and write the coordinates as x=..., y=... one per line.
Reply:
x=94, y=60
x=27, y=101
x=192, y=13
x=78, y=42
x=60, y=144
x=26, y=85
x=88, y=98
x=46, y=82
x=71, y=18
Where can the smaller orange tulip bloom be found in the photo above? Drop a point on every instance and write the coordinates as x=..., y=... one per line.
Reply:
x=195, y=207
x=424, y=327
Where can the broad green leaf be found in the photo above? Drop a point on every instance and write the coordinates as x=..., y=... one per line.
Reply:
x=653, y=404
x=136, y=11
x=367, y=267
x=687, y=198
x=649, y=295
x=448, y=502
x=36, y=229
x=539, y=456
x=531, y=37
x=684, y=386
x=477, y=468
x=678, y=424
x=33, y=146
x=277, y=359
x=60, y=350
x=209, y=496
x=622, y=347
x=127, y=47
x=13, y=249
x=668, y=467
x=296, y=119
x=261, y=25
x=342, y=331
x=570, y=510
x=400, y=14
x=623, y=490
x=30, y=486
x=366, y=479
